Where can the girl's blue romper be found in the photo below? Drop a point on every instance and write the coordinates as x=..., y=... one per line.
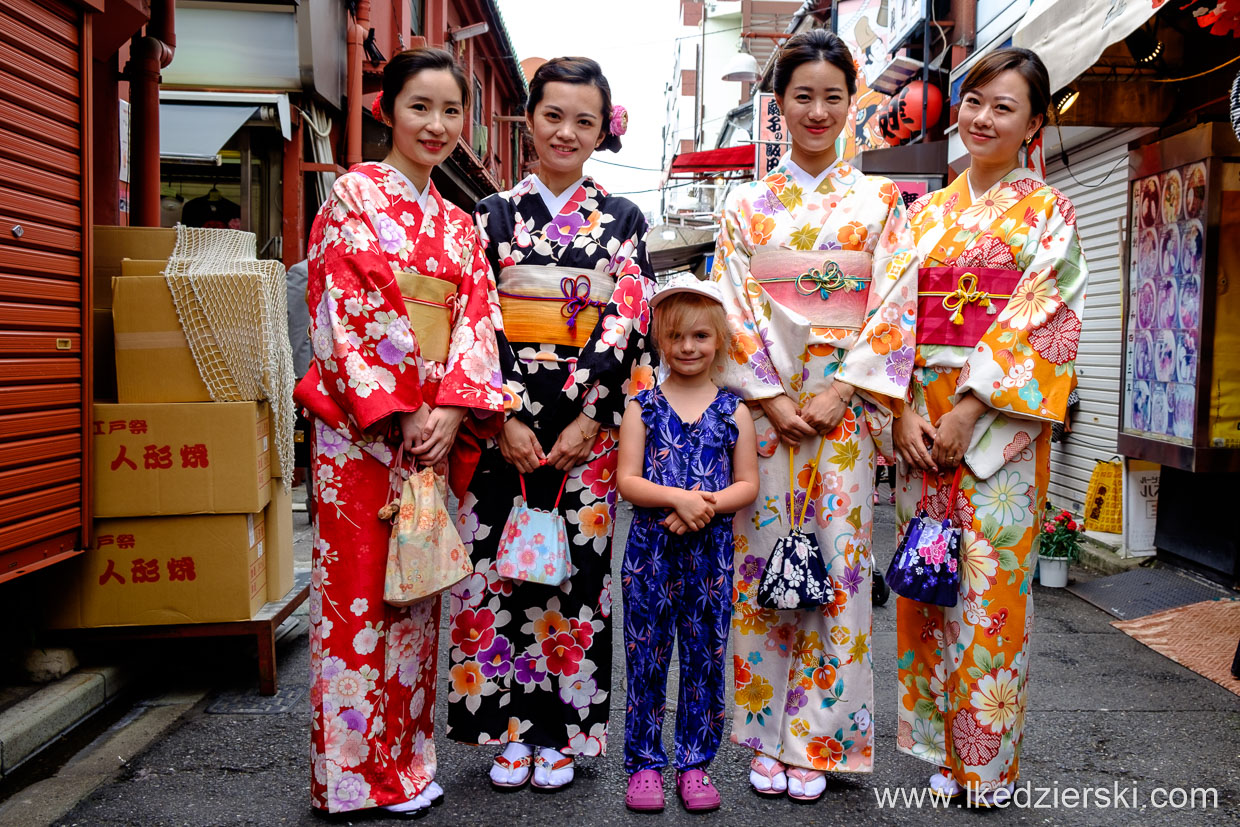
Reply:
x=679, y=585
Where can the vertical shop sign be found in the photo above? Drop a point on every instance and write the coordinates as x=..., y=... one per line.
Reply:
x=769, y=134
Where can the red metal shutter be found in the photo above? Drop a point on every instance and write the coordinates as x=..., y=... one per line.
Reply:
x=44, y=370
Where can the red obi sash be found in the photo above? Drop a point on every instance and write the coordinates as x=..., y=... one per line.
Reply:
x=957, y=305
x=830, y=288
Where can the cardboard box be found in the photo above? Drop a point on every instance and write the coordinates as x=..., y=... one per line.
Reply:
x=153, y=359
x=279, y=516
x=104, y=355
x=150, y=571
x=112, y=244
x=163, y=459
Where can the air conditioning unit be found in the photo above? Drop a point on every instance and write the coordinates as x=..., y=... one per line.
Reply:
x=480, y=143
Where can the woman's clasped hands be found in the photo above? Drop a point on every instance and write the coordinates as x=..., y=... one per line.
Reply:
x=428, y=433
x=821, y=415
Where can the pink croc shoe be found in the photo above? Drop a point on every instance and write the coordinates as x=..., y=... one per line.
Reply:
x=697, y=791
x=645, y=793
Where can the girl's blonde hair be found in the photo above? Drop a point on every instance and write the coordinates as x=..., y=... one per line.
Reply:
x=676, y=313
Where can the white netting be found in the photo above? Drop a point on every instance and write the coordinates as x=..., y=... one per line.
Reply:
x=234, y=310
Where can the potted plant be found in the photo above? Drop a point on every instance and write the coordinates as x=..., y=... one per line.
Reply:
x=1059, y=543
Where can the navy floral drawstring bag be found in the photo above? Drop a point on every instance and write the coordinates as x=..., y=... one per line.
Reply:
x=796, y=576
x=926, y=565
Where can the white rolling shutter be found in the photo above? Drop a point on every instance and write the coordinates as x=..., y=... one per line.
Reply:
x=1097, y=185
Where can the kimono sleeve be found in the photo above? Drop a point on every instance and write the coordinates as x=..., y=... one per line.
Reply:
x=618, y=343
x=472, y=375
x=881, y=361
x=366, y=353
x=747, y=369
x=1024, y=365
x=516, y=400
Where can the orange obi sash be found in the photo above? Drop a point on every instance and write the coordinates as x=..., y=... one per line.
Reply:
x=429, y=312
x=830, y=288
x=952, y=306
x=552, y=305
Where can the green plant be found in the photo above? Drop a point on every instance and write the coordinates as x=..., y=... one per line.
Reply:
x=1060, y=536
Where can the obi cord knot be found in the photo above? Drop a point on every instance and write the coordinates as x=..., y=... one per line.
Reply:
x=576, y=290
x=966, y=292
x=826, y=281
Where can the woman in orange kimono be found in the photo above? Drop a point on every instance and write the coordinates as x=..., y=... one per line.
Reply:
x=380, y=382
x=1001, y=291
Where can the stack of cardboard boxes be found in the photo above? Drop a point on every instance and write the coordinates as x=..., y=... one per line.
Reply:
x=190, y=526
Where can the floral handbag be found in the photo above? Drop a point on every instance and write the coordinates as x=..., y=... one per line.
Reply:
x=926, y=565
x=534, y=545
x=796, y=576
x=425, y=552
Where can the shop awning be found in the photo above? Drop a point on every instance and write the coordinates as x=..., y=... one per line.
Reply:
x=1093, y=26
x=194, y=126
x=712, y=162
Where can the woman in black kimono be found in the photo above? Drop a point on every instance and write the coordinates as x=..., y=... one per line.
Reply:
x=531, y=664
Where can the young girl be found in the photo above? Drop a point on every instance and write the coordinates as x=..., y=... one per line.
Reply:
x=687, y=463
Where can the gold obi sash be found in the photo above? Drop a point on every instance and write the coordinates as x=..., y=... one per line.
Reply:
x=829, y=288
x=552, y=305
x=430, y=314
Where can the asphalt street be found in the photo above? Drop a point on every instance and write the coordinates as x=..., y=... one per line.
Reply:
x=1105, y=713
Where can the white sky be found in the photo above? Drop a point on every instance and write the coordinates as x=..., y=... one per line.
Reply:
x=633, y=41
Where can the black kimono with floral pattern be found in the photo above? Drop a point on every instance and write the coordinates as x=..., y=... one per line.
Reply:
x=532, y=663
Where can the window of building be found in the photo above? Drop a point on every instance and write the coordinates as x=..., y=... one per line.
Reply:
x=417, y=11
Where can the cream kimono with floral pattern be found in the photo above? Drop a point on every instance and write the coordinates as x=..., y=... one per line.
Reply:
x=963, y=670
x=804, y=687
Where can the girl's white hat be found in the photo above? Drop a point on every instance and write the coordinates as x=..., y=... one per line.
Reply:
x=687, y=283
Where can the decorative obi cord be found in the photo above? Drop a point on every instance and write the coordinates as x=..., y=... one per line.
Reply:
x=552, y=305
x=830, y=288
x=952, y=307
x=429, y=311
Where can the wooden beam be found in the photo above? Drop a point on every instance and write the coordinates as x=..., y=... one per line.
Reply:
x=1120, y=104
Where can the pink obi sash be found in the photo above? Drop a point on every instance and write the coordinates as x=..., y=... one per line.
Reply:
x=957, y=305
x=830, y=288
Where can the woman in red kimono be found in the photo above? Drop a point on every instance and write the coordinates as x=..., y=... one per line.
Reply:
x=378, y=383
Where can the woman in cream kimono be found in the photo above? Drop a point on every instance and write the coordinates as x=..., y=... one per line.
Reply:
x=999, y=319
x=816, y=267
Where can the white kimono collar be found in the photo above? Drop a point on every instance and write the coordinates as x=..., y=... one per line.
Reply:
x=808, y=182
x=420, y=196
x=554, y=203
x=1015, y=175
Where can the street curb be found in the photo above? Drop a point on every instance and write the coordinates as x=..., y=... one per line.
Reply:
x=31, y=724
x=1103, y=558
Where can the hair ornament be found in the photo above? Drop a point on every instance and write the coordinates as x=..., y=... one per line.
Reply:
x=376, y=107
x=619, y=121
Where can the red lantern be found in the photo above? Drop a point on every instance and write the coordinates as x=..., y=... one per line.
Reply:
x=900, y=119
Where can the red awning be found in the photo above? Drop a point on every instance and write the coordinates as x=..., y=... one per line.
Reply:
x=712, y=162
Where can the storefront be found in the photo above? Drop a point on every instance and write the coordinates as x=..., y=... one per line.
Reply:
x=245, y=110
x=1180, y=401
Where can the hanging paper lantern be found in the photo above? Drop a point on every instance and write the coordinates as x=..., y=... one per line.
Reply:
x=900, y=119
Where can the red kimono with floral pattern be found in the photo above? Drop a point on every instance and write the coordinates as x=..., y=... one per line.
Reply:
x=373, y=666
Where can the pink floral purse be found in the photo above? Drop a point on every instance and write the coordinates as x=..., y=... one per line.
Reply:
x=534, y=545
x=425, y=552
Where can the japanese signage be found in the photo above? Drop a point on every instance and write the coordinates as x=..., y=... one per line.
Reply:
x=903, y=18
x=160, y=570
x=181, y=458
x=769, y=133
